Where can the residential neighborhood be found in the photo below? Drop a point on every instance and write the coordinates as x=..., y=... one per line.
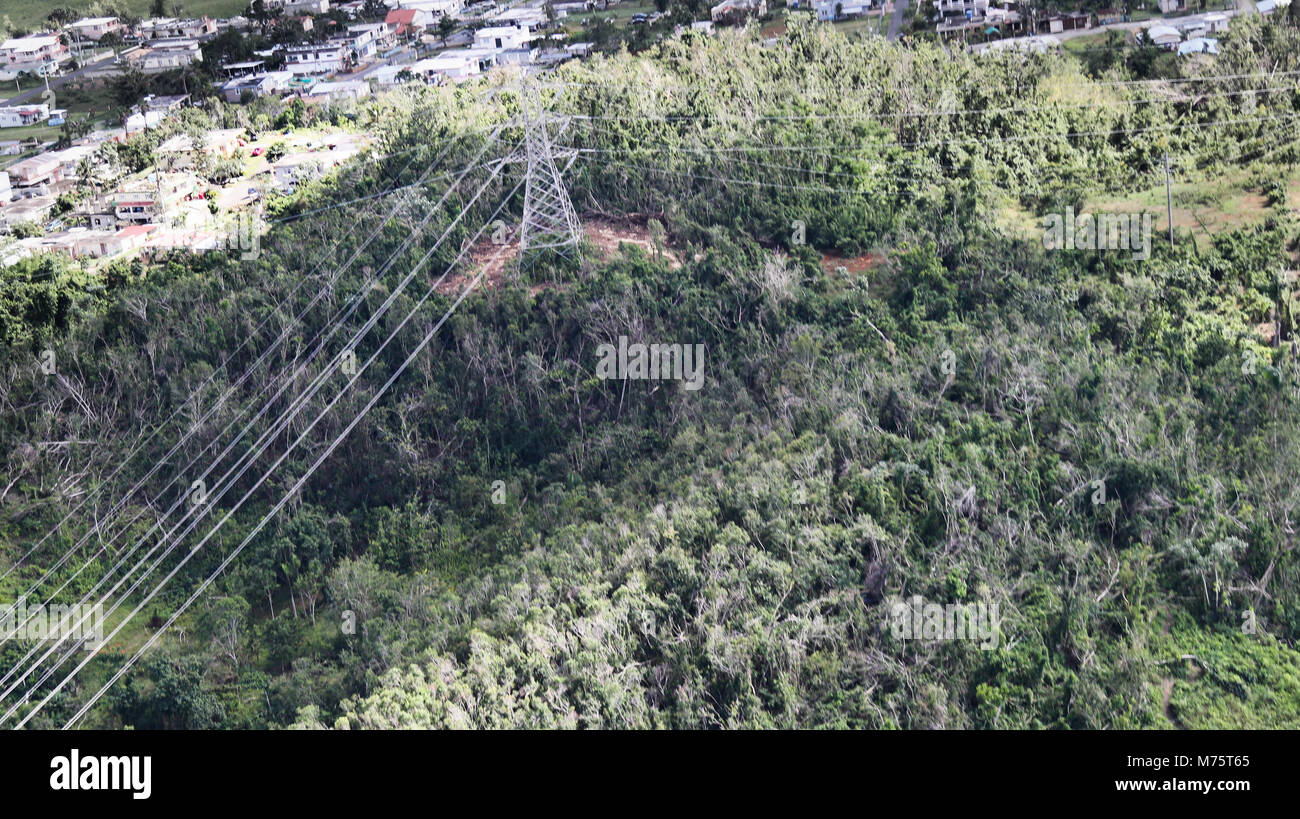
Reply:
x=62, y=193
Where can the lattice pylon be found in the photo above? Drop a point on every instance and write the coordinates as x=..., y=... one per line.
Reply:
x=550, y=223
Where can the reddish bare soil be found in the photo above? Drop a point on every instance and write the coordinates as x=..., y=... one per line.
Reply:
x=607, y=235
x=604, y=234
x=853, y=264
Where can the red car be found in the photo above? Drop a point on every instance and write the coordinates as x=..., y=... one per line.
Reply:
x=259, y=151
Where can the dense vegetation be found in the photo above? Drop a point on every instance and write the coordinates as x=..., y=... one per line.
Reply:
x=920, y=400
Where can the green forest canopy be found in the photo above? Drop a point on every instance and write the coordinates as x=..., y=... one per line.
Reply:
x=918, y=399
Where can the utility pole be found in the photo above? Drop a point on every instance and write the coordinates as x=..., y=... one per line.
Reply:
x=1169, y=201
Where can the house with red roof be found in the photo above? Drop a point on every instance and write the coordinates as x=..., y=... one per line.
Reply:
x=408, y=22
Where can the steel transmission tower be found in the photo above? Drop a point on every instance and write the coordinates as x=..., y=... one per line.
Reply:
x=550, y=224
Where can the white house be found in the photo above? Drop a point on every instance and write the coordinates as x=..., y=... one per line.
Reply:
x=1216, y=22
x=1199, y=45
x=272, y=82
x=368, y=39
x=16, y=116
x=169, y=28
x=140, y=122
x=338, y=91
x=451, y=65
x=502, y=37
x=736, y=11
x=326, y=58
x=92, y=28
x=831, y=10
x=37, y=170
x=38, y=48
x=301, y=6
x=1166, y=37
x=977, y=8
x=531, y=19
x=437, y=7
x=165, y=55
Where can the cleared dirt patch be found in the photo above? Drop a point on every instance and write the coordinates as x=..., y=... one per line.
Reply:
x=608, y=234
x=498, y=260
x=855, y=265
x=488, y=257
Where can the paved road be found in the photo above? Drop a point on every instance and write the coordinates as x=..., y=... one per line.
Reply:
x=896, y=22
x=1145, y=24
x=39, y=87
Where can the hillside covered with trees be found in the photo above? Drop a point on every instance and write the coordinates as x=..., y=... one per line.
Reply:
x=905, y=393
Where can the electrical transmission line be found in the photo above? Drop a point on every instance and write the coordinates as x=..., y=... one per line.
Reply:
x=550, y=224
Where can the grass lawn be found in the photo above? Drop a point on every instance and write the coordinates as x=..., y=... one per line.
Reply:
x=870, y=24
x=1204, y=205
x=1082, y=45
x=30, y=15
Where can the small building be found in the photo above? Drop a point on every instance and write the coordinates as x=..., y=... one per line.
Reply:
x=1162, y=36
x=170, y=28
x=338, y=91
x=23, y=211
x=18, y=116
x=137, y=207
x=166, y=55
x=502, y=37
x=326, y=58
x=98, y=219
x=129, y=239
x=367, y=40
x=1199, y=45
x=1216, y=23
x=303, y=6
x=433, y=7
x=37, y=170
x=1065, y=22
x=449, y=65
x=248, y=68
x=93, y=28
x=734, y=12
x=272, y=82
x=94, y=243
x=947, y=8
x=166, y=104
x=139, y=122
x=408, y=23
x=38, y=49
x=831, y=10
